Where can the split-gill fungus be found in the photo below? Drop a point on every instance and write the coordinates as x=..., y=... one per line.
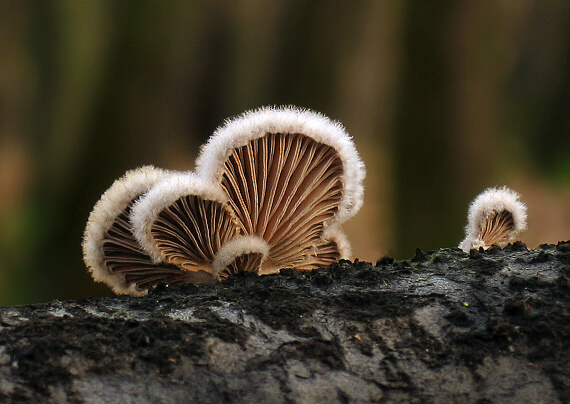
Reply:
x=496, y=217
x=271, y=190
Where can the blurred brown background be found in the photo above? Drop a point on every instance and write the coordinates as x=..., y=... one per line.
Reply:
x=443, y=98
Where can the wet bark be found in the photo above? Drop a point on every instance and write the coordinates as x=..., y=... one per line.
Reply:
x=444, y=326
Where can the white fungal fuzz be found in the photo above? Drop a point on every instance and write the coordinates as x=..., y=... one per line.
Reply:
x=334, y=234
x=112, y=204
x=162, y=197
x=290, y=120
x=271, y=190
x=248, y=251
x=496, y=216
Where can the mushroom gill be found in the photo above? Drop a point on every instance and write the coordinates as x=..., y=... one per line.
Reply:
x=110, y=249
x=284, y=188
x=496, y=216
x=497, y=228
x=243, y=254
x=191, y=230
x=123, y=255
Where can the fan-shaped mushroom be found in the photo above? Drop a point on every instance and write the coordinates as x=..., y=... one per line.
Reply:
x=288, y=174
x=496, y=216
x=110, y=250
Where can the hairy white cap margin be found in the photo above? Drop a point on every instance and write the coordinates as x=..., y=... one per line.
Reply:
x=490, y=201
x=112, y=203
x=255, y=124
x=241, y=245
x=146, y=210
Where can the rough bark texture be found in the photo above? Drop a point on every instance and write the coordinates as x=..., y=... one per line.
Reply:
x=444, y=326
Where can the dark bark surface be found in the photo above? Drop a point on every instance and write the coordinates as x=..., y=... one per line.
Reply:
x=444, y=326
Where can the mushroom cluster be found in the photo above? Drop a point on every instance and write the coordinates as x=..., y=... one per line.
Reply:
x=270, y=190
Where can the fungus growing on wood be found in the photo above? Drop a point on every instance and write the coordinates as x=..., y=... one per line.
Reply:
x=289, y=175
x=496, y=216
x=110, y=250
x=271, y=190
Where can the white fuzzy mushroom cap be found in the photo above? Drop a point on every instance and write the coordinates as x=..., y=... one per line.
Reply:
x=255, y=124
x=112, y=203
x=239, y=246
x=335, y=234
x=488, y=203
x=164, y=193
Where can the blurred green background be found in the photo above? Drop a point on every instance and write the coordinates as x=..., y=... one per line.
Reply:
x=443, y=98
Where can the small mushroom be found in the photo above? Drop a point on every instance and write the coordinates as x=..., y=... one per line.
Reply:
x=496, y=216
x=242, y=254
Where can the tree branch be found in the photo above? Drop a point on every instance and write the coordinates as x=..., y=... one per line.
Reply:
x=444, y=326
